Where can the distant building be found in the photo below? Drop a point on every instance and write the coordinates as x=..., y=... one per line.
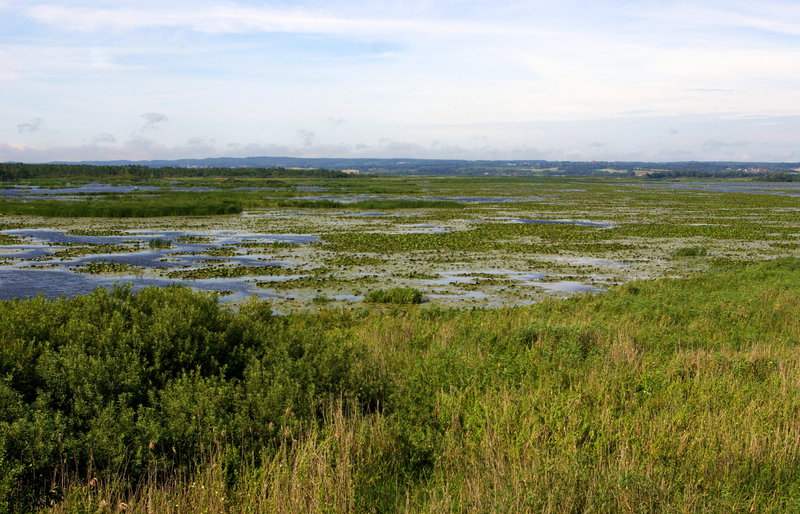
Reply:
x=351, y=172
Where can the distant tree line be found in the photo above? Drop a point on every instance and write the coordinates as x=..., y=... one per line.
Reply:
x=18, y=171
x=258, y=167
x=699, y=174
x=760, y=176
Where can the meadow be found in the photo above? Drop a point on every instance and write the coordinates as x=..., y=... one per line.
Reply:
x=486, y=343
x=673, y=394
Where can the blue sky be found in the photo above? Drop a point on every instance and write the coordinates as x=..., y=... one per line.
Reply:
x=573, y=80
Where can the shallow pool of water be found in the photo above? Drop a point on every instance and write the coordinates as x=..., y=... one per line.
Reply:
x=53, y=283
x=583, y=223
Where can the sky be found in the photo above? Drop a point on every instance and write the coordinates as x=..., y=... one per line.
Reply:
x=649, y=80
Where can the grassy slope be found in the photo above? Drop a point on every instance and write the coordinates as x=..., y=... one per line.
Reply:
x=677, y=395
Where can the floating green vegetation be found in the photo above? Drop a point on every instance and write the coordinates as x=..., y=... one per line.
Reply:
x=97, y=267
x=321, y=299
x=346, y=261
x=481, y=283
x=317, y=282
x=690, y=251
x=398, y=295
x=228, y=272
x=221, y=251
x=787, y=246
x=485, y=237
x=189, y=239
x=267, y=246
x=384, y=205
x=159, y=243
x=388, y=205
x=418, y=275
x=310, y=204
x=95, y=232
x=6, y=239
x=80, y=251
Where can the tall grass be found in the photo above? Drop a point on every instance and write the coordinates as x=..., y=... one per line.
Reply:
x=672, y=395
x=174, y=204
x=398, y=295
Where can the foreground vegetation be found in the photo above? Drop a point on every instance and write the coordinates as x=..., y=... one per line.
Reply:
x=668, y=395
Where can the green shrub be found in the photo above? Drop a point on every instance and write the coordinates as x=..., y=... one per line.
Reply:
x=120, y=380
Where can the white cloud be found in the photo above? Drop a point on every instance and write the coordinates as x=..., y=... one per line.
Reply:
x=780, y=17
x=32, y=125
x=152, y=119
x=104, y=137
x=234, y=19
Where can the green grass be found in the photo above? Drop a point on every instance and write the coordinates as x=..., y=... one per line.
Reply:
x=690, y=251
x=127, y=206
x=398, y=295
x=676, y=395
x=670, y=395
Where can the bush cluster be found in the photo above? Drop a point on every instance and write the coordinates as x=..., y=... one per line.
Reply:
x=120, y=380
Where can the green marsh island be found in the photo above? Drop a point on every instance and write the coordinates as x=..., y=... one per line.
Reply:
x=261, y=340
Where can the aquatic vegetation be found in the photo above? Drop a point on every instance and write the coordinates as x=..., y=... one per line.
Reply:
x=353, y=260
x=9, y=240
x=191, y=239
x=95, y=232
x=600, y=220
x=221, y=251
x=274, y=245
x=310, y=204
x=418, y=275
x=229, y=272
x=80, y=251
x=175, y=204
x=386, y=205
x=399, y=295
x=159, y=243
x=690, y=251
x=318, y=281
x=97, y=267
x=376, y=204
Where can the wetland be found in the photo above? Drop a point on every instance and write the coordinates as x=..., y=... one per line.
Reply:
x=398, y=344
x=461, y=242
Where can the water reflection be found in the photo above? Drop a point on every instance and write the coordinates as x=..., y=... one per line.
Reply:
x=54, y=283
x=31, y=270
